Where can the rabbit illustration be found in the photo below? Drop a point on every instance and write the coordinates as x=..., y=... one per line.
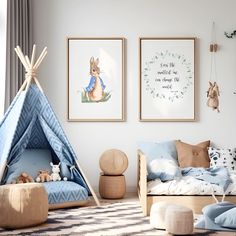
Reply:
x=212, y=94
x=95, y=89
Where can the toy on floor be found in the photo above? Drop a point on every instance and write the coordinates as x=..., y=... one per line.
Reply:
x=23, y=178
x=212, y=94
x=55, y=176
x=43, y=176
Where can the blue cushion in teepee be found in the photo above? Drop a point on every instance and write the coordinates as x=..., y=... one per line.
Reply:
x=30, y=161
x=65, y=191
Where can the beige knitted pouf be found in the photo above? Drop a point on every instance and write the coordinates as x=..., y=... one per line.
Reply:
x=157, y=214
x=113, y=162
x=179, y=220
x=22, y=205
x=112, y=187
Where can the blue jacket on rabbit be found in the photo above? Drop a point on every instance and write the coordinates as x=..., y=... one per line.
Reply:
x=91, y=85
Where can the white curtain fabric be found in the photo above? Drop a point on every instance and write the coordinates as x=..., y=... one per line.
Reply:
x=19, y=32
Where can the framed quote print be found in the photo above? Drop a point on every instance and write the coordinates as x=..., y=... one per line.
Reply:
x=167, y=79
x=95, y=79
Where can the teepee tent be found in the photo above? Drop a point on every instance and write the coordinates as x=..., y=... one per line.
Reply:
x=30, y=123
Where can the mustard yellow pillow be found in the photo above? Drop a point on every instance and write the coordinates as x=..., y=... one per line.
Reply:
x=193, y=155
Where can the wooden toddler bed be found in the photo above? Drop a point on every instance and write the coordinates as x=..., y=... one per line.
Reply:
x=196, y=202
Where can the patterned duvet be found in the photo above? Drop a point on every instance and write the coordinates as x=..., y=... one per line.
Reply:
x=188, y=185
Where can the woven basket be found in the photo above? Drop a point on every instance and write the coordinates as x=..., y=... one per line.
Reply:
x=113, y=162
x=112, y=187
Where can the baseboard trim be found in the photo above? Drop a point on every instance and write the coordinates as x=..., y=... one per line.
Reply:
x=129, y=189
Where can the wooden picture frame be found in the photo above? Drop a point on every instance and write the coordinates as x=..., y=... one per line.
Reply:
x=167, y=81
x=96, y=79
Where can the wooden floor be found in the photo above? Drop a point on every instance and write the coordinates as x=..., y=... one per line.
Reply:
x=132, y=197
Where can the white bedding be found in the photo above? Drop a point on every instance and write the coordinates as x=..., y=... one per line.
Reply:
x=188, y=185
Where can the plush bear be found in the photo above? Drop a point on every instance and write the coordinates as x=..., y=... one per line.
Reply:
x=23, y=178
x=43, y=176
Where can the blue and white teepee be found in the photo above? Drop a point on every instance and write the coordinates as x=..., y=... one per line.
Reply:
x=30, y=122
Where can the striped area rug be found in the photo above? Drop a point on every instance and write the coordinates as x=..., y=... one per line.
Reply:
x=117, y=219
x=114, y=219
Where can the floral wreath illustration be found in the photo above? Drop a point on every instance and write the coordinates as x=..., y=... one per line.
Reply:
x=175, y=94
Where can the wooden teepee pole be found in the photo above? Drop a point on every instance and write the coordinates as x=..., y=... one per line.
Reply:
x=40, y=59
x=33, y=56
x=22, y=59
x=30, y=67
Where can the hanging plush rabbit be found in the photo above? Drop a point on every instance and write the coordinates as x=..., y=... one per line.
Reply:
x=213, y=90
x=212, y=95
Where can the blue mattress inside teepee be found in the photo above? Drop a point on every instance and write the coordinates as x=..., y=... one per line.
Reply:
x=65, y=191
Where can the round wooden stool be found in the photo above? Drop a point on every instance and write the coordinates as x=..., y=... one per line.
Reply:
x=112, y=187
x=113, y=162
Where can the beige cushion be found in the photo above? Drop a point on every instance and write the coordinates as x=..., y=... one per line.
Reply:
x=157, y=214
x=23, y=205
x=193, y=155
x=179, y=220
x=113, y=162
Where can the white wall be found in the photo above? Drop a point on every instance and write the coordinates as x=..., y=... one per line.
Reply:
x=3, y=45
x=54, y=20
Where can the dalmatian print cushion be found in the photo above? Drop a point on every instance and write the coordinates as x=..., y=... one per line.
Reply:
x=223, y=157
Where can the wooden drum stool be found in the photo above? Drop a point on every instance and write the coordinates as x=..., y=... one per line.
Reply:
x=112, y=187
x=113, y=163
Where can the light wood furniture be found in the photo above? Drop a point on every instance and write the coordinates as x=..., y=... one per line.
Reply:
x=196, y=203
x=112, y=187
x=113, y=162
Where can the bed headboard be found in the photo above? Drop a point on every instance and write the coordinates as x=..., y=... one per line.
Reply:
x=142, y=180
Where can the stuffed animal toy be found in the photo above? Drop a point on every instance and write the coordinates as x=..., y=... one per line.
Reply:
x=23, y=178
x=212, y=95
x=55, y=176
x=43, y=176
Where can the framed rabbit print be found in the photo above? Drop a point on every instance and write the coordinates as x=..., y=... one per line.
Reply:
x=167, y=83
x=95, y=79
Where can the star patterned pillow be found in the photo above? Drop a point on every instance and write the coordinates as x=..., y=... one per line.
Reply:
x=223, y=157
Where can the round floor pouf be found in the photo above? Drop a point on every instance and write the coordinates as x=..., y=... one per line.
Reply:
x=113, y=162
x=179, y=220
x=157, y=214
x=112, y=187
x=22, y=205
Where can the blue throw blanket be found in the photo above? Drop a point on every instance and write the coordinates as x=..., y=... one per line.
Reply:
x=219, y=175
